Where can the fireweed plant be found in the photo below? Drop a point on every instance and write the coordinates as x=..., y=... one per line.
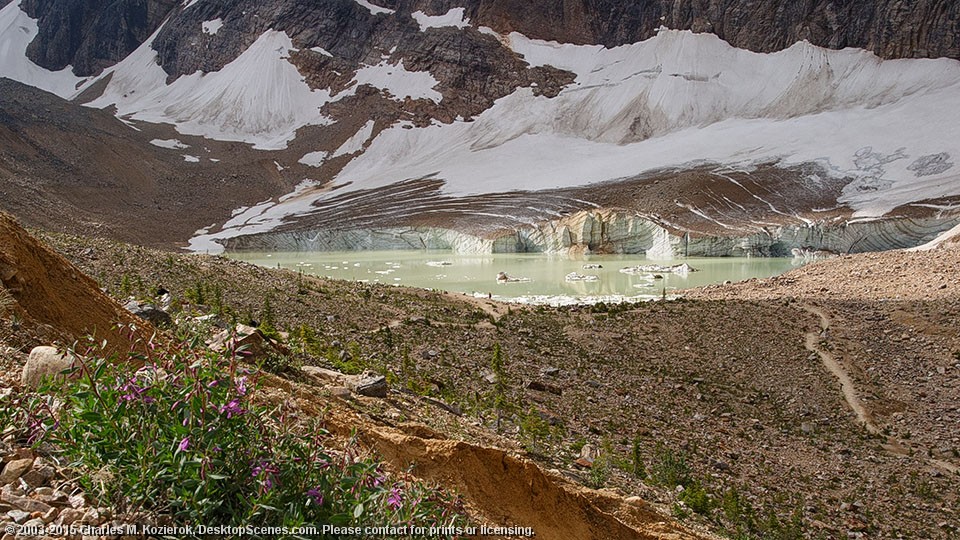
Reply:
x=182, y=439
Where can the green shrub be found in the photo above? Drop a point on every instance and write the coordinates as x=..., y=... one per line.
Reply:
x=669, y=468
x=636, y=460
x=697, y=498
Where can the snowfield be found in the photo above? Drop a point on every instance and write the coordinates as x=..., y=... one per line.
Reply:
x=682, y=100
x=259, y=98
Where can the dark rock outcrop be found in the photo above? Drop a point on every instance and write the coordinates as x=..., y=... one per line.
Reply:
x=473, y=68
x=93, y=34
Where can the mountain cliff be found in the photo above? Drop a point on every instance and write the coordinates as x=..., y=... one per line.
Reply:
x=489, y=116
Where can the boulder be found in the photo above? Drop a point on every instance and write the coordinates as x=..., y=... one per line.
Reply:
x=150, y=312
x=588, y=454
x=371, y=385
x=339, y=391
x=44, y=362
x=323, y=374
x=256, y=345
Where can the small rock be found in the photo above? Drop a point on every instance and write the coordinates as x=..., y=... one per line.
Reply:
x=91, y=517
x=583, y=463
x=69, y=515
x=544, y=387
x=37, y=477
x=10, y=490
x=14, y=470
x=18, y=515
x=24, y=503
x=50, y=515
x=52, y=497
x=551, y=371
x=452, y=409
x=44, y=362
x=34, y=523
x=153, y=314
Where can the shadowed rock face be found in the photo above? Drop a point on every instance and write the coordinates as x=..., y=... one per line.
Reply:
x=91, y=34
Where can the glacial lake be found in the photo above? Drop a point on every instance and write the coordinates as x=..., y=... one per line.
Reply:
x=542, y=279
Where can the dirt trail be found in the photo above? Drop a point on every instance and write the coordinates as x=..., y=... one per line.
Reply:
x=493, y=308
x=812, y=343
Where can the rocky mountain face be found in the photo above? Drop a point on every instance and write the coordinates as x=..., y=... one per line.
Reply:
x=890, y=28
x=91, y=35
x=450, y=113
x=95, y=34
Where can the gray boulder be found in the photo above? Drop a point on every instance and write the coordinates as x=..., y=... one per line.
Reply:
x=150, y=312
x=372, y=385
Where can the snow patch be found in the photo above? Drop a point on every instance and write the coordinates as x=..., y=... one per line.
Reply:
x=191, y=159
x=173, y=144
x=212, y=27
x=17, y=30
x=259, y=98
x=259, y=218
x=455, y=18
x=313, y=159
x=376, y=10
x=355, y=143
x=322, y=51
x=399, y=82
